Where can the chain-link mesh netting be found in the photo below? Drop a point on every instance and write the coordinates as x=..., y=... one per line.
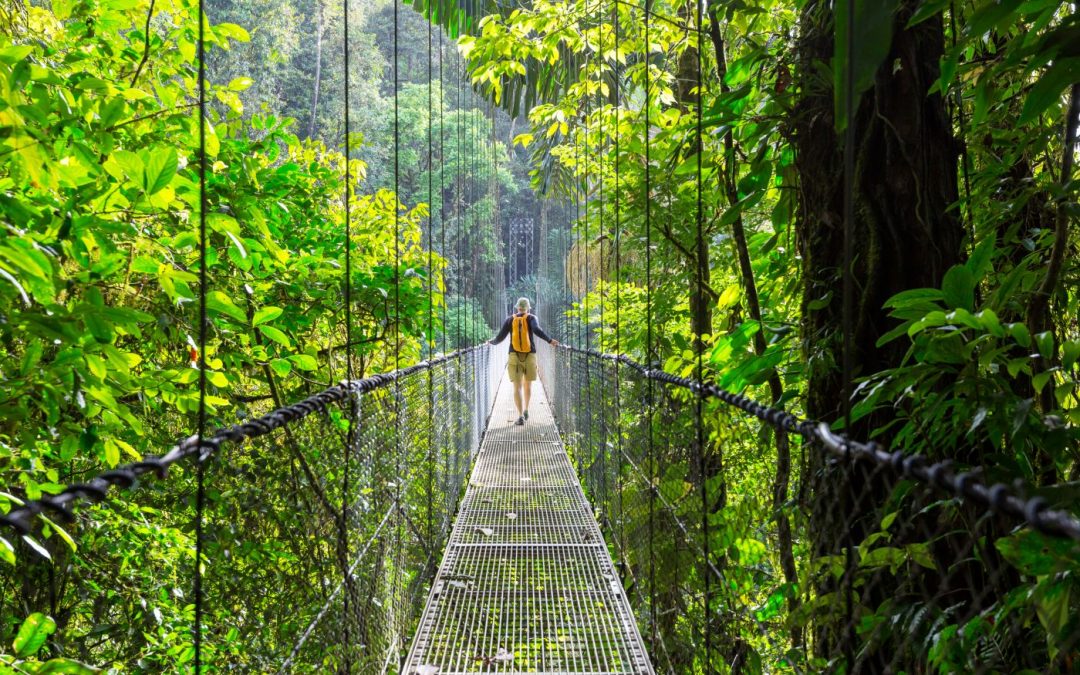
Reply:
x=321, y=533
x=870, y=566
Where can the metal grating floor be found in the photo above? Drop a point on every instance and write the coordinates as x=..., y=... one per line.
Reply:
x=526, y=583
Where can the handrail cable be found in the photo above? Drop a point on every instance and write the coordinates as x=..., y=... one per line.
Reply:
x=124, y=476
x=999, y=498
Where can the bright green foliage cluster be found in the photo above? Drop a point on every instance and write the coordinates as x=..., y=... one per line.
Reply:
x=676, y=132
x=99, y=285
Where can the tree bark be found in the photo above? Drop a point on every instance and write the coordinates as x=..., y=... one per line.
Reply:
x=753, y=303
x=905, y=236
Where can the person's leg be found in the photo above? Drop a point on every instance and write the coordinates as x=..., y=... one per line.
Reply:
x=521, y=381
x=527, y=387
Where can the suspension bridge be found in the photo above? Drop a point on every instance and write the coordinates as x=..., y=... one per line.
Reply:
x=535, y=576
x=401, y=522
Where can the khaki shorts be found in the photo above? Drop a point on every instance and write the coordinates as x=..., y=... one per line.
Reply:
x=518, y=366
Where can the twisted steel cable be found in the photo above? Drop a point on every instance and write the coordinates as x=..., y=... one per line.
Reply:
x=997, y=497
x=125, y=476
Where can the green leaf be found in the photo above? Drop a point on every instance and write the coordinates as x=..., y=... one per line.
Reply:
x=1062, y=73
x=928, y=9
x=223, y=304
x=958, y=288
x=15, y=54
x=281, y=367
x=276, y=335
x=60, y=532
x=1070, y=353
x=304, y=361
x=32, y=634
x=1038, y=554
x=65, y=666
x=873, y=30
x=264, y=314
x=1021, y=334
x=1045, y=342
x=161, y=166
x=7, y=551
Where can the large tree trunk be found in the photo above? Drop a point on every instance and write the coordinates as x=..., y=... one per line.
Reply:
x=905, y=237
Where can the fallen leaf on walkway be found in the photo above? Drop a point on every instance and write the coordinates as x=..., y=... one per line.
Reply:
x=512, y=516
x=427, y=670
x=503, y=656
x=525, y=479
x=486, y=531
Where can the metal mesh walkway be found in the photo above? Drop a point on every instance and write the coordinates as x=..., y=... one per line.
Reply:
x=526, y=583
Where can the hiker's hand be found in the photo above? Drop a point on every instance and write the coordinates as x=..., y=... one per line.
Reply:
x=554, y=343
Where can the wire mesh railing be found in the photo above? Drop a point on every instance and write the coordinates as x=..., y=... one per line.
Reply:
x=897, y=564
x=323, y=524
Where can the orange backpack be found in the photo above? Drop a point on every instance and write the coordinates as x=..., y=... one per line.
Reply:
x=519, y=334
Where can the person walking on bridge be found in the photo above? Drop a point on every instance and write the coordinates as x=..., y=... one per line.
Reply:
x=523, y=329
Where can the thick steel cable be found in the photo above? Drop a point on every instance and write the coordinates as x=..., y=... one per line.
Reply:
x=200, y=472
x=996, y=498
x=125, y=476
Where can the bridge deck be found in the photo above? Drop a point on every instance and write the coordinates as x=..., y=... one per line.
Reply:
x=526, y=583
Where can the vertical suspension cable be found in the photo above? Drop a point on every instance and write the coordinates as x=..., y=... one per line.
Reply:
x=848, y=291
x=648, y=327
x=587, y=291
x=430, y=290
x=343, y=527
x=699, y=426
x=618, y=284
x=200, y=471
x=397, y=307
x=603, y=282
x=442, y=194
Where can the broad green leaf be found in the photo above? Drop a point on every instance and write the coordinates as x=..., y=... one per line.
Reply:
x=32, y=634
x=1021, y=334
x=304, y=361
x=958, y=288
x=281, y=367
x=1070, y=353
x=276, y=335
x=223, y=304
x=63, y=666
x=1038, y=554
x=264, y=314
x=7, y=551
x=161, y=166
x=1061, y=74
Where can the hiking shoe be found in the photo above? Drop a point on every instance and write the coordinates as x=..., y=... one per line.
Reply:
x=525, y=414
x=520, y=421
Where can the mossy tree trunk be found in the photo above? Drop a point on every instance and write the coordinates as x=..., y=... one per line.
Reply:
x=905, y=236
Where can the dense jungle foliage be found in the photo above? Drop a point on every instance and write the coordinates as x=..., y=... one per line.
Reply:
x=701, y=153
x=99, y=299
x=705, y=157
